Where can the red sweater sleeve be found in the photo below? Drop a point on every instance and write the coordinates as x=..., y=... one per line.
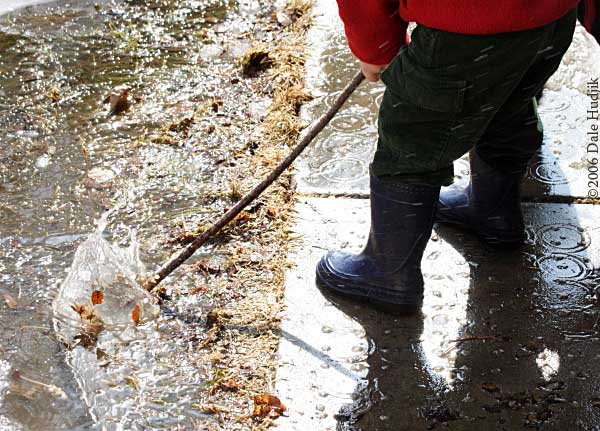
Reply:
x=374, y=29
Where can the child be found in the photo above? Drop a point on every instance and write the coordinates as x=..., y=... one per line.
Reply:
x=465, y=83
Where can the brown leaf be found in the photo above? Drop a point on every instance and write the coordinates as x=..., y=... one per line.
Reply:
x=255, y=61
x=230, y=385
x=86, y=339
x=165, y=139
x=206, y=266
x=181, y=126
x=135, y=315
x=490, y=387
x=133, y=382
x=198, y=289
x=216, y=318
x=212, y=409
x=243, y=217
x=92, y=184
x=87, y=313
x=10, y=300
x=266, y=405
x=118, y=100
x=79, y=309
x=53, y=94
x=97, y=297
x=101, y=355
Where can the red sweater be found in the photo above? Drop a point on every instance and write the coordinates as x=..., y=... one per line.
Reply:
x=376, y=29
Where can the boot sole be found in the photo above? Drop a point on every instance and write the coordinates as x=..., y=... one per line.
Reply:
x=329, y=286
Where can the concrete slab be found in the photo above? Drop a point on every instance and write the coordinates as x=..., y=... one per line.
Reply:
x=324, y=350
x=337, y=162
x=507, y=340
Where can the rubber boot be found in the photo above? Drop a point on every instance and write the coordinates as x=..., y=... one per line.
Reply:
x=387, y=273
x=490, y=205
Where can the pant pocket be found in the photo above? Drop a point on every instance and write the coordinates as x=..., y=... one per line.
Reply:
x=424, y=88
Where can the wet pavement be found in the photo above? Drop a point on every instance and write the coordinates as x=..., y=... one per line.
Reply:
x=506, y=340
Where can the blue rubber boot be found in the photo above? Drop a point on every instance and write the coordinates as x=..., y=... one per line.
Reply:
x=387, y=273
x=490, y=205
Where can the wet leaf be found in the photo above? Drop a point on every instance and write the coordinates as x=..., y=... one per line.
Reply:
x=85, y=312
x=133, y=382
x=10, y=300
x=165, y=139
x=490, y=387
x=135, y=315
x=266, y=405
x=255, y=61
x=211, y=409
x=118, y=100
x=97, y=297
x=230, y=385
x=181, y=126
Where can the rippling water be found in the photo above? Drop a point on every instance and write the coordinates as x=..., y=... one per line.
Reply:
x=64, y=161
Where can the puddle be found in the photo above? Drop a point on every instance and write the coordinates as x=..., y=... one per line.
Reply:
x=64, y=161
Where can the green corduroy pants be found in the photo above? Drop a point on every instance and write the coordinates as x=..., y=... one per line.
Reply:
x=447, y=93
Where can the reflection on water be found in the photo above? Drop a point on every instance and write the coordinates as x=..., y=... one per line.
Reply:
x=548, y=363
x=446, y=274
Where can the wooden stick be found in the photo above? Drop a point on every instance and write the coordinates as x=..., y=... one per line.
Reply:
x=313, y=130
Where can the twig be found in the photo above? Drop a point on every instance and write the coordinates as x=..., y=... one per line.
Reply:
x=459, y=341
x=313, y=130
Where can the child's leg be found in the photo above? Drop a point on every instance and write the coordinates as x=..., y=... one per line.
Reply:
x=445, y=90
x=515, y=132
x=490, y=205
x=512, y=138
